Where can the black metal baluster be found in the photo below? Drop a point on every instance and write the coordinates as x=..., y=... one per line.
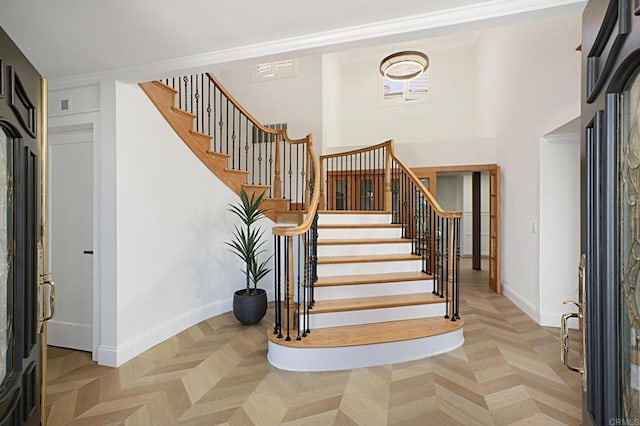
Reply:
x=290, y=172
x=246, y=144
x=297, y=174
x=276, y=283
x=227, y=128
x=197, y=111
x=270, y=166
x=209, y=109
x=307, y=281
x=298, y=337
x=233, y=137
x=261, y=133
x=220, y=122
x=456, y=283
x=286, y=289
x=253, y=153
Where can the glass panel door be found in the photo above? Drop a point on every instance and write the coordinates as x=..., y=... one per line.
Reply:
x=629, y=228
x=366, y=194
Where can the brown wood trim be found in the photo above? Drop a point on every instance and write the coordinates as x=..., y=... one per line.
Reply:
x=357, y=151
x=461, y=168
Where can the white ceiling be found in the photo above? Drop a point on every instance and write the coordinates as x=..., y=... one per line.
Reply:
x=73, y=37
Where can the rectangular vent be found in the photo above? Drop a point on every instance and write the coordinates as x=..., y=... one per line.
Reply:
x=275, y=69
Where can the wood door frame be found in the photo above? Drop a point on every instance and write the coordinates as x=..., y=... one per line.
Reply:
x=431, y=173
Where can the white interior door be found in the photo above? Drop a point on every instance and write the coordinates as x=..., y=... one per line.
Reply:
x=71, y=237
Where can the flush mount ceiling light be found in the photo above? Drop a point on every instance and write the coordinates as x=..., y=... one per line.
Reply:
x=405, y=65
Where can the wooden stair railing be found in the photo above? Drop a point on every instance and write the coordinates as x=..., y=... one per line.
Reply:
x=237, y=148
x=296, y=258
x=372, y=179
x=375, y=179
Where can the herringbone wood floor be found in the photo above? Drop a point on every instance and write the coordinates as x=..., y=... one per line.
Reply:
x=507, y=372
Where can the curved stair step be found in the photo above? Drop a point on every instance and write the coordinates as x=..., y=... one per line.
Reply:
x=365, y=345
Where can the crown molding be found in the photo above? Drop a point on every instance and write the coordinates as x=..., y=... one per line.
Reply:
x=308, y=42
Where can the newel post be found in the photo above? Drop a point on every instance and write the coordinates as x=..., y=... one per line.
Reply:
x=277, y=182
x=388, y=196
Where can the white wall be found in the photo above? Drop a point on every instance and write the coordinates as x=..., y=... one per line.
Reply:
x=532, y=86
x=559, y=225
x=296, y=101
x=449, y=114
x=172, y=220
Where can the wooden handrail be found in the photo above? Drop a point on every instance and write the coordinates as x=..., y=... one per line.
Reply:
x=315, y=200
x=389, y=144
x=358, y=151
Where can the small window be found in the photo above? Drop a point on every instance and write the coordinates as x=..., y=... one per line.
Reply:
x=418, y=89
x=275, y=69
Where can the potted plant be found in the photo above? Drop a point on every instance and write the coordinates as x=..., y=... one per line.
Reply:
x=250, y=303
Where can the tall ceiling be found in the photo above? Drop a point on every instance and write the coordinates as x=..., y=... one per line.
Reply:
x=73, y=37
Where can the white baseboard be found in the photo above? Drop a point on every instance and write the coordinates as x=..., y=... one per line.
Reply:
x=521, y=302
x=70, y=335
x=115, y=357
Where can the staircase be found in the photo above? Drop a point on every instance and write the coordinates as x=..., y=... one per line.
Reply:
x=373, y=304
x=366, y=267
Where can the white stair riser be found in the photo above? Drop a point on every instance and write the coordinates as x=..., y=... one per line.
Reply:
x=364, y=249
x=370, y=316
x=359, y=233
x=372, y=290
x=332, y=219
x=349, y=357
x=333, y=269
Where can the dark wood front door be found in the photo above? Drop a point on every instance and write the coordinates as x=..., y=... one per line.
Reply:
x=610, y=222
x=20, y=352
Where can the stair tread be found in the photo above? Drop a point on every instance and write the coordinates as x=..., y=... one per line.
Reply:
x=244, y=172
x=371, y=278
x=326, y=260
x=368, y=334
x=165, y=87
x=359, y=225
x=375, y=302
x=333, y=242
x=216, y=154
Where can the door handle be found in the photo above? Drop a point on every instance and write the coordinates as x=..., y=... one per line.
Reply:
x=564, y=329
x=50, y=311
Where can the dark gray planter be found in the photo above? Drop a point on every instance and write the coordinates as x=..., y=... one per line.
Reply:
x=249, y=307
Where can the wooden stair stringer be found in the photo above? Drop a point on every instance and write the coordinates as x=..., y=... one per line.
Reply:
x=163, y=97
